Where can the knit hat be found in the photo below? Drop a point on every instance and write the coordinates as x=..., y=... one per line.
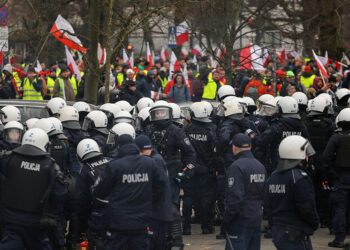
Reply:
x=307, y=69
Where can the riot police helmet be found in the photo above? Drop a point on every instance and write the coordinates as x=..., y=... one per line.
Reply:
x=264, y=98
x=30, y=123
x=88, y=149
x=251, y=105
x=268, y=108
x=96, y=120
x=292, y=150
x=83, y=109
x=225, y=91
x=47, y=125
x=123, y=116
x=318, y=106
x=10, y=113
x=343, y=119
x=144, y=113
x=200, y=112
x=161, y=111
x=118, y=130
x=35, y=139
x=342, y=95
x=288, y=107
x=58, y=128
x=69, y=116
x=329, y=101
x=176, y=111
x=301, y=98
x=111, y=110
x=233, y=110
x=209, y=107
x=13, y=132
x=54, y=105
x=124, y=105
x=144, y=102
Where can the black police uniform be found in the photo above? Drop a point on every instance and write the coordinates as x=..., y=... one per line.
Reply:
x=27, y=209
x=244, y=198
x=132, y=182
x=199, y=190
x=100, y=136
x=290, y=203
x=91, y=213
x=336, y=158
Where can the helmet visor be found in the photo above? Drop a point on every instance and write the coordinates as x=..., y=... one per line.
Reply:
x=13, y=135
x=111, y=139
x=267, y=110
x=310, y=151
x=123, y=119
x=87, y=124
x=160, y=113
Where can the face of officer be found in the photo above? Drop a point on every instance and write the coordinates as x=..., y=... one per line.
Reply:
x=161, y=114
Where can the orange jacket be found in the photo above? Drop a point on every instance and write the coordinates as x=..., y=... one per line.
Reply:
x=259, y=85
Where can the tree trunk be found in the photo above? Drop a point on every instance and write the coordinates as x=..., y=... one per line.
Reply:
x=108, y=50
x=91, y=85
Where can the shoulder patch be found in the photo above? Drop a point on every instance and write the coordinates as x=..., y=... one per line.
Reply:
x=230, y=182
x=303, y=173
x=187, y=141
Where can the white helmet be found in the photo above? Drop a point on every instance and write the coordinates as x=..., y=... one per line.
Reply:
x=268, y=108
x=144, y=113
x=10, y=113
x=317, y=106
x=225, y=91
x=123, y=116
x=36, y=137
x=82, y=107
x=277, y=98
x=250, y=103
x=47, y=125
x=175, y=110
x=96, y=120
x=292, y=150
x=55, y=104
x=327, y=96
x=229, y=98
x=30, y=122
x=300, y=97
x=144, y=102
x=209, y=107
x=233, y=109
x=341, y=93
x=87, y=149
x=264, y=98
x=124, y=105
x=329, y=102
x=111, y=110
x=118, y=130
x=288, y=106
x=200, y=112
x=161, y=111
x=13, y=132
x=69, y=116
x=343, y=117
x=57, y=123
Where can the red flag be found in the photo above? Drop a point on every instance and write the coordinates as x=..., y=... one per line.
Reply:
x=1, y=58
x=72, y=65
x=320, y=65
x=164, y=54
x=64, y=32
x=149, y=56
x=182, y=33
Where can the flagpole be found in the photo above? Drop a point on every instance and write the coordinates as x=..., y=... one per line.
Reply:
x=42, y=46
x=324, y=83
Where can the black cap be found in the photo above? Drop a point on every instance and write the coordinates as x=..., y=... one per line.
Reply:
x=123, y=140
x=241, y=141
x=143, y=142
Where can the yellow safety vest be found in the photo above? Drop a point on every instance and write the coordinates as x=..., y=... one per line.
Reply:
x=58, y=72
x=50, y=83
x=18, y=82
x=164, y=82
x=29, y=92
x=209, y=91
x=307, y=82
x=74, y=84
x=120, y=78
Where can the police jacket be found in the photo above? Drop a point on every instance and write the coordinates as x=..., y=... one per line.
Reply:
x=290, y=200
x=320, y=128
x=85, y=205
x=173, y=145
x=337, y=157
x=245, y=190
x=131, y=182
x=74, y=137
x=59, y=151
x=203, y=139
x=162, y=205
x=30, y=181
x=100, y=138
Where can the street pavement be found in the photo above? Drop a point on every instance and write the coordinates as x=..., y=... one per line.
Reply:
x=198, y=241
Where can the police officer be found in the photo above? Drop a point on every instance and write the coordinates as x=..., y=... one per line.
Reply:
x=124, y=116
x=342, y=96
x=336, y=159
x=12, y=138
x=91, y=213
x=83, y=109
x=290, y=197
x=27, y=208
x=301, y=98
x=244, y=196
x=143, y=103
x=199, y=189
x=132, y=182
x=95, y=126
x=170, y=142
x=162, y=208
x=111, y=110
x=142, y=121
x=10, y=113
x=54, y=105
x=118, y=130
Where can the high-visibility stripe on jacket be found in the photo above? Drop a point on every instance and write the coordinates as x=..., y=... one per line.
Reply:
x=164, y=81
x=307, y=82
x=29, y=92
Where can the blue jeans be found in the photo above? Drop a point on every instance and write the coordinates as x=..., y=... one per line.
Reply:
x=243, y=238
x=133, y=240
x=288, y=241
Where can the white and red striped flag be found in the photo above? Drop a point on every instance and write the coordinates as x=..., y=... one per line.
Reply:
x=184, y=52
x=149, y=55
x=72, y=65
x=198, y=50
x=64, y=32
x=320, y=65
x=174, y=65
x=182, y=33
x=132, y=59
x=163, y=54
x=101, y=54
x=126, y=58
x=251, y=57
